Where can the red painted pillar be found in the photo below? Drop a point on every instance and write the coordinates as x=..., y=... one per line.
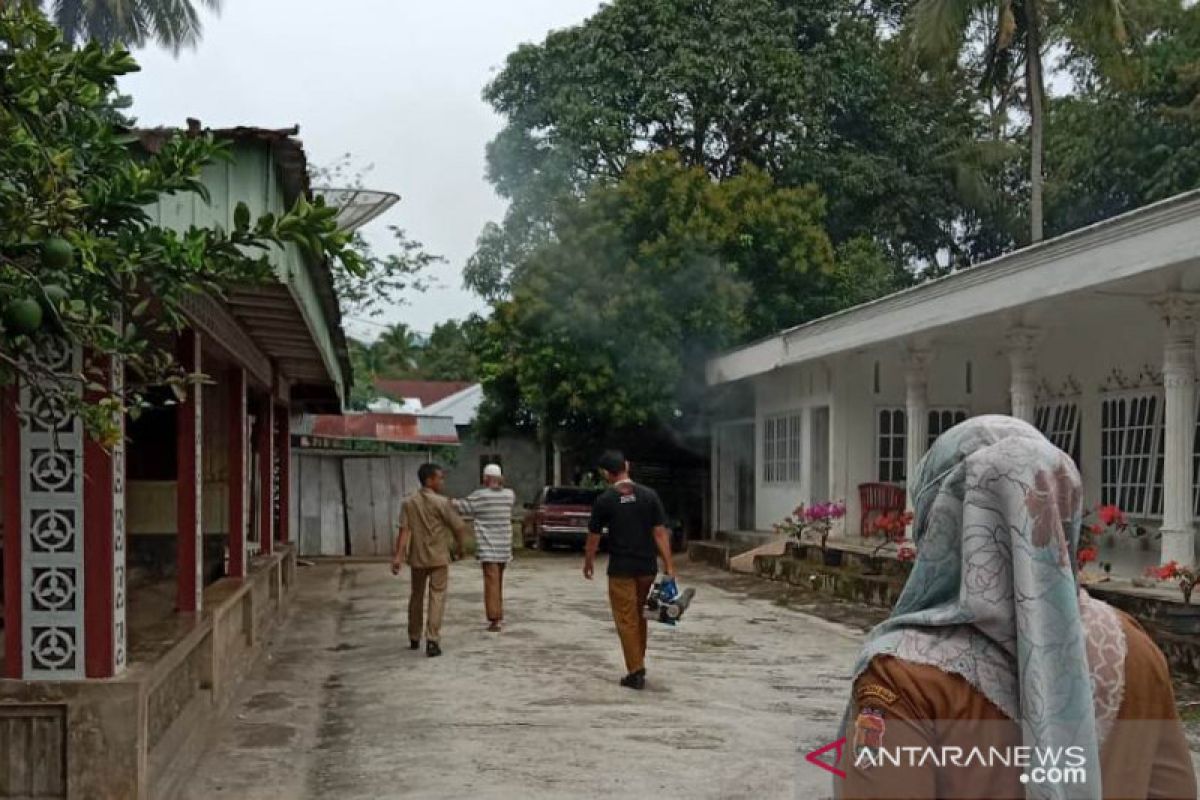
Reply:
x=266, y=474
x=237, y=473
x=10, y=464
x=284, y=434
x=104, y=543
x=189, y=487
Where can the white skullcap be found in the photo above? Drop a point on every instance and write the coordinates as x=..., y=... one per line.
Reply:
x=493, y=471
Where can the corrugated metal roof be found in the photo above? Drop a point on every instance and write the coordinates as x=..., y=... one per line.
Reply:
x=288, y=155
x=398, y=428
x=463, y=406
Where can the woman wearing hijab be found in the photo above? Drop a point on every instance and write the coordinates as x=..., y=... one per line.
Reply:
x=996, y=676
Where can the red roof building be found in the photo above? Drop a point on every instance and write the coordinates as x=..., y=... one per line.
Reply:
x=425, y=392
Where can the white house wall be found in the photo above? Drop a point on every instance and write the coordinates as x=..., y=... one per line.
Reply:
x=787, y=391
x=1082, y=342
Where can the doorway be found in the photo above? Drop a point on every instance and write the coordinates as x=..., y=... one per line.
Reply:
x=818, y=467
x=734, y=476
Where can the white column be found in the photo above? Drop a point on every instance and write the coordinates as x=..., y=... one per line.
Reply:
x=1179, y=383
x=1022, y=343
x=916, y=408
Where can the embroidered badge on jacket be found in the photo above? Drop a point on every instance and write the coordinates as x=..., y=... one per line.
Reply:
x=873, y=691
x=869, y=728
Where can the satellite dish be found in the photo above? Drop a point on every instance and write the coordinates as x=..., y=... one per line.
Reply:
x=356, y=207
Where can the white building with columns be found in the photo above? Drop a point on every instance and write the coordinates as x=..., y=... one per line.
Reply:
x=1090, y=336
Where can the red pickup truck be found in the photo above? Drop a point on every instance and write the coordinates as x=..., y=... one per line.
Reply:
x=559, y=516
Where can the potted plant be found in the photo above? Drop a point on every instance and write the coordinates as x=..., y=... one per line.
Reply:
x=1109, y=523
x=813, y=523
x=893, y=528
x=1186, y=577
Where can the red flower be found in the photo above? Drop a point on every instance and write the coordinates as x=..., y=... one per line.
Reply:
x=1086, y=555
x=1111, y=515
x=1096, y=529
x=906, y=553
x=1165, y=572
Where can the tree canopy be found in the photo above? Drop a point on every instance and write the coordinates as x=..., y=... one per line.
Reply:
x=448, y=353
x=808, y=91
x=1007, y=37
x=173, y=24
x=608, y=325
x=749, y=165
x=1131, y=137
x=80, y=257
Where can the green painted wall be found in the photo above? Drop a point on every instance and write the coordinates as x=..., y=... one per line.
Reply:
x=250, y=177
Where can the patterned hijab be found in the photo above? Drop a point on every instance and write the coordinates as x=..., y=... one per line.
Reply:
x=993, y=595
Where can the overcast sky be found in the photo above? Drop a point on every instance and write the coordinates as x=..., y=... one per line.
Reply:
x=395, y=83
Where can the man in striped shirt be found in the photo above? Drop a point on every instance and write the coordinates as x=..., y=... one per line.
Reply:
x=492, y=507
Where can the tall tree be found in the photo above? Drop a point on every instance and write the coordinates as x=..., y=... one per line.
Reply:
x=1019, y=31
x=608, y=326
x=397, y=351
x=448, y=355
x=173, y=24
x=81, y=260
x=1130, y=137
x=808, y=91
x=366, y=366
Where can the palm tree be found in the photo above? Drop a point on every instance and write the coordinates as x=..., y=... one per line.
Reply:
x=174, y=24
x=1016, y=28
x=397, y=351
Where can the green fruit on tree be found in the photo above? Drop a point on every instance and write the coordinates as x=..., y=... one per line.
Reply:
x=23, y=316
x=57, y=253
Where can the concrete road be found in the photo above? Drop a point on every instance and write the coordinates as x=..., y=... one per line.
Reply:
x=342, y=709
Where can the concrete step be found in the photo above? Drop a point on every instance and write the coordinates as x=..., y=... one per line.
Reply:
x=715, y=554
x=725, y=545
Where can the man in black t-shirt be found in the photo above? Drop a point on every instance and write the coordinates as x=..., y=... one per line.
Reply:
x=633, y=519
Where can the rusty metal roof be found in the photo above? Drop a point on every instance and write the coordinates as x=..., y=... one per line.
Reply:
x=396, y=428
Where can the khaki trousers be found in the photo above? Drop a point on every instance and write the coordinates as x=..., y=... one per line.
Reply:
x=493, y=590
x=436, y=578
x=627, y=596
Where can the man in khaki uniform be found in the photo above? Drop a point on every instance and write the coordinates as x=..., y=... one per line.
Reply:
x=428, y=525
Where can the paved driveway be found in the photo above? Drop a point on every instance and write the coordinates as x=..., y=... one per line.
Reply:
x=342, y=708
